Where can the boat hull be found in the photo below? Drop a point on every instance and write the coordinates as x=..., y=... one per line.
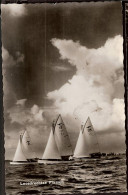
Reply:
x=22, y=163
x=91, y=156
x=96, y=155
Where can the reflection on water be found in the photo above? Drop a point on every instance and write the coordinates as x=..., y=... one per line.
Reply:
x=107, y=174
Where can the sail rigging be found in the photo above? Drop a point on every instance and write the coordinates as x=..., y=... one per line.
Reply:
x=19, y=155
x=87, y=142
x=27, y=146
x=51, y=150
x=24, y=150
x=81, y=146
x=62, y=138
x=90, y=137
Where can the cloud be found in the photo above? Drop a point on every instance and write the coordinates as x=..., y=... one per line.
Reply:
x=80, y=56
x=98, y=66
x=26, y=116
x=91, y=91
x=9, y=61
x=14, y=10
x=118, y=115
x=19, y=57
x=21, y=102
x=37, y=113
x=61, y=68
x=92, y=60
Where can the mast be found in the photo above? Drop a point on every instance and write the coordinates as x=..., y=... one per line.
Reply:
x=62, y=138
x=51, y=150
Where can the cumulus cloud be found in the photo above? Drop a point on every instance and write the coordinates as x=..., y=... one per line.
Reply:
x=98, y=67
x=80, y=56
x=92, y=62
x=14, y=10
x=91, y=91
x=25, y=116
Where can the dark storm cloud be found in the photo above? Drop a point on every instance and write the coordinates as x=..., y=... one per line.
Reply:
x=90, y=23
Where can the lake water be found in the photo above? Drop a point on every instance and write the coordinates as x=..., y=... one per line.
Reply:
x=104, y=175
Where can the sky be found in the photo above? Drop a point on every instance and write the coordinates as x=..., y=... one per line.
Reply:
x=66, y=59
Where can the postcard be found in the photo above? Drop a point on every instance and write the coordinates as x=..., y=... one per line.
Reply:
x=63, y=67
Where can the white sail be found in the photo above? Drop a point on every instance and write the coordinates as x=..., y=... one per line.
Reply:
x=19, y=155
x=62, y=138
x=90, y=137
x=51, y=150
x=81, y=146
x=27, y=146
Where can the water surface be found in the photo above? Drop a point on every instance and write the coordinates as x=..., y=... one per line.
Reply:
x=104, y=175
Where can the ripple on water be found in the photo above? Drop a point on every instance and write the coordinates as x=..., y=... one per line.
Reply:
x=87, y=176
x=37, y=176
x=29, y=192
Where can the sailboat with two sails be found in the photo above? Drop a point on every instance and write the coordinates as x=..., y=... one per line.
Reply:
x=24, y=153
x=58, y=148
x=87, y=145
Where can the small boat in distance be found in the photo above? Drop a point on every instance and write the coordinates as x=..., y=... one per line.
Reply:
x=24, y=153
x=87, y=144
x=58, y=148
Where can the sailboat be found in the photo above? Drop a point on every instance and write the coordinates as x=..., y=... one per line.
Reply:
x=51, y=153
x=62, y=139
x=87, y=144
x=24, y=153
x=58, y=148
